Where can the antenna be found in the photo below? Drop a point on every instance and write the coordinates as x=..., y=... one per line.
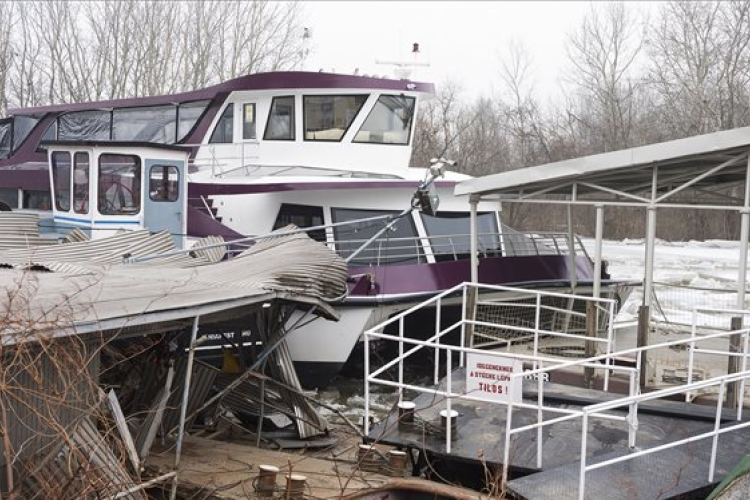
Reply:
x=404, y=69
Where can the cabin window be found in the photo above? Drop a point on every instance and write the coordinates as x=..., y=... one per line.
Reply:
x=248, y=121
x=9, y=197
x=328, y=117
x=164, y=183
x=61, y=179
x=37, y=200
x=6, y=131
x=51, y=133
x=397, y=246
x=188, y=115
x=449, y=234
x=119, y=184
x=280, y=126
x=84, y=126
x=389, y=122
x=22, y=126
x=302, y=216
x=81, y=183
x=146, y=124
x=224, y=131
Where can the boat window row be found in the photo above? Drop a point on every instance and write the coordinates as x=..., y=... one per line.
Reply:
x=160, y=124
x=448, y=234
x=327, y=118
x=13, y=131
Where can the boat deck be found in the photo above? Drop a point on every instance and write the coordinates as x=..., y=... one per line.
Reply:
x=479, y=439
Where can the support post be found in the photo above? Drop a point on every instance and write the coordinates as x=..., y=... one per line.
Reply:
x=590, y=348
x=733, y=363
x=183, y=406
x=572, y=268
x=734, y=396
x=473, y=202
x=598, y=250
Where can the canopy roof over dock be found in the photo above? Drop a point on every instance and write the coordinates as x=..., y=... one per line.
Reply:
x=641, y=176
x=700, y=169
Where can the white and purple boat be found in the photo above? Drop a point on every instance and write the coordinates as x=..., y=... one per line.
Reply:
x=273, y=149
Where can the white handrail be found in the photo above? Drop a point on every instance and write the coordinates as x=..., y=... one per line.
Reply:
x=547, y=365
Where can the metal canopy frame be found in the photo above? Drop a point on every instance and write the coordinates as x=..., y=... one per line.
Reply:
x=650, y=177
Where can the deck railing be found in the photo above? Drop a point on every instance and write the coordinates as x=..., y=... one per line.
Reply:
x=547, y=365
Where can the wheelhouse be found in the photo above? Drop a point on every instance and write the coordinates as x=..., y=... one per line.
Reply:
x=102, y=188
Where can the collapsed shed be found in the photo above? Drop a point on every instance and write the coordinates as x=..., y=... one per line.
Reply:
x=71, y=313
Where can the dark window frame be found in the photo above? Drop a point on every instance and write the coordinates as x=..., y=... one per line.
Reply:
x=293, y=121
x=219, y=123
x=411, y=124
x=418, y=257
x=138, y=175
x=181, y=140
x=164, y=180
x=299, y=210
x=348, y=127
x=176, y=107
x=255, y=121
x=85, y=199
x=55, y=180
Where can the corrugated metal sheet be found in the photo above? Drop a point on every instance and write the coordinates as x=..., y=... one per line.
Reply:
x=294, y=268
x=21, y=230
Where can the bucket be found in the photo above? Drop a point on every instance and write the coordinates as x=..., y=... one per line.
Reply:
x=266, y=482
x=406, y=412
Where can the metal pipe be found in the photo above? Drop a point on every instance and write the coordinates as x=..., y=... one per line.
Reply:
x=473, y=202
x=715, y=440
x=183, y=406
x=367, y=384
x=584, y=443
x=449, y=387
x=598, y=250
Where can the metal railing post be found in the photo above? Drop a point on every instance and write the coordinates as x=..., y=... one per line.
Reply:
x=691, y=353
x=717, y=425
x=506, y=450
x=584, y=444
x=537, y=320
x=449, y=387
x=367, y=383
x=401, y=359
x=437, y=340
x=539, y=416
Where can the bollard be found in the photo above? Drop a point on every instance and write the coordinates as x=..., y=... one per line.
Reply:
x=406, y=412
x=396, y=462
x=445, y=419
x=266, y=482
x=295, y=487
x=368, y=459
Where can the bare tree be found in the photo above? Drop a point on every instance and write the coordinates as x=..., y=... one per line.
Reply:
x=602, y=53
x=700, y=65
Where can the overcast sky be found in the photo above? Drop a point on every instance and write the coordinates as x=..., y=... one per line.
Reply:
x=461, y=40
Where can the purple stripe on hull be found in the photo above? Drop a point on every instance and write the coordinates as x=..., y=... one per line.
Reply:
x=415, y=278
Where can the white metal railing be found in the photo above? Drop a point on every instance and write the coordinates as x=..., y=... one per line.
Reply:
x=456, y=247
x=547, y=365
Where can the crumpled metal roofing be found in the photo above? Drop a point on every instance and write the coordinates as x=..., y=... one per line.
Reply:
x=87, y=284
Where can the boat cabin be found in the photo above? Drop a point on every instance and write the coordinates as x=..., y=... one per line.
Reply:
x=102, y=188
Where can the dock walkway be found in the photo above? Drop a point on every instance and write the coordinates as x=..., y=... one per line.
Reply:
x=479, y=439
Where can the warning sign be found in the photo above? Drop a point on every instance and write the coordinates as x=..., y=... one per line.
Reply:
x=489, y=377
